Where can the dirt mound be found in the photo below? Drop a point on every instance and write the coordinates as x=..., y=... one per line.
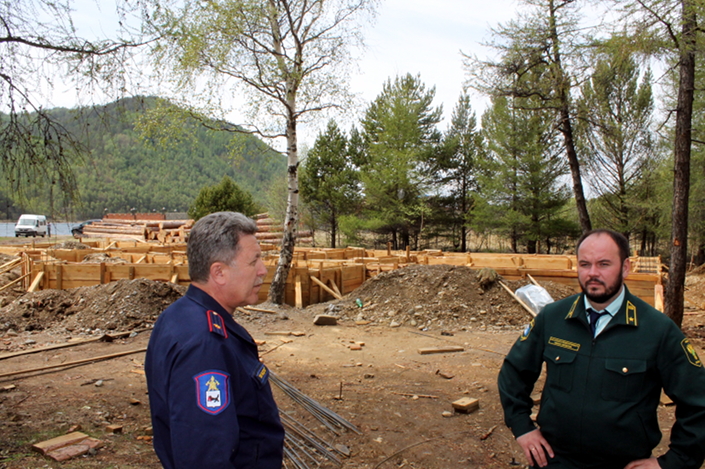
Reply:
x=100, y=258
x=123, y=305
x=71, y=245
x=438, y=297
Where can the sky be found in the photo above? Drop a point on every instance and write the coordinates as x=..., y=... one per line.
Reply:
x=426, y=37
x=423, y=37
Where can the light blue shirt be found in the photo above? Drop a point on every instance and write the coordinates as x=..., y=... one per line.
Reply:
x=611, y=309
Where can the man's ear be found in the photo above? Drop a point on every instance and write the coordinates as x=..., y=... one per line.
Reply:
x=217, y=273
x=626, y=267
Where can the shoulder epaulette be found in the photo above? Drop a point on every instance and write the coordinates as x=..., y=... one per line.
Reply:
x=216, y=324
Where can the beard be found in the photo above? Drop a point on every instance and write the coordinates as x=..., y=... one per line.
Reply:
x=609, y=292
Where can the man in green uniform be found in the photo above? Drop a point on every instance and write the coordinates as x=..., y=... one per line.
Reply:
x=608, y=354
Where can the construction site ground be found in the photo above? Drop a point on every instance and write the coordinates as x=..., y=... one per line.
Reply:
x=398, y=398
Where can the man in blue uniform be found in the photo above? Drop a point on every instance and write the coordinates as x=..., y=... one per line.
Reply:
x=209, y=394
x=608, y=354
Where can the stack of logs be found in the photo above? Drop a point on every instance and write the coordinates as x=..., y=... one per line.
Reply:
x=166, y=231
x=270, y=231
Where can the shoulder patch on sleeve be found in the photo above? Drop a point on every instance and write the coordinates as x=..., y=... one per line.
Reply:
x=216, y=324
x=690, y=353
x=212, y=391
x=527, y=330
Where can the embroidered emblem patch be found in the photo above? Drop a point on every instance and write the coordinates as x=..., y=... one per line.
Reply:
x=564, y=344
x=691, y=353
x=527, y=330
x=262, y=374
x=212, y=391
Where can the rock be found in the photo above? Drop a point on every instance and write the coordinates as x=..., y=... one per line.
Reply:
x=342, y=449
x=447, y=414
x=11, y=333
x=394, y=324
x=325, y=320
x=98, y=383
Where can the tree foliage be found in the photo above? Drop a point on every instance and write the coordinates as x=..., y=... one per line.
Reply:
x=615, y=112
x=291, y=55
x=222, y=197
x=523, y=196
x=546, y=40
x=124, y=171
x=38, y=43
x=400, y=133
x=452, y=169
x=329, y=179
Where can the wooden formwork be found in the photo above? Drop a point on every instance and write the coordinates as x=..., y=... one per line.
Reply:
x=316, y=275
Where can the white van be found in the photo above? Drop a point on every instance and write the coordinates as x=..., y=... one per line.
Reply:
x=31, y=225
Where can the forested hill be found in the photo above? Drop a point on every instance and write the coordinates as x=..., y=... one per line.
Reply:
x=125, y=170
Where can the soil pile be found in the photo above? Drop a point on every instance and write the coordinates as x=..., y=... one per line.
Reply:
x=439, y=297
x=123, y=305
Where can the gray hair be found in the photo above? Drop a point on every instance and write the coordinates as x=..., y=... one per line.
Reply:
x=215, y=238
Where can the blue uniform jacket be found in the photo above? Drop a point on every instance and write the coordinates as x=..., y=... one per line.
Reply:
x=209, y=394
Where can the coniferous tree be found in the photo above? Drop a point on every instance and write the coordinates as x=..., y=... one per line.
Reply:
x=400, y=132
x=453, y=171
x=614, y=122
x=523, y=197
x=328, y=179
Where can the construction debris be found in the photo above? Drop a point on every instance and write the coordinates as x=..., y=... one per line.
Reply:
x=68, y=446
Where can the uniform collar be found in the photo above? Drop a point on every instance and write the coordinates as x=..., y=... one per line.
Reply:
x=627, y=314
x=209, y=303
x=612, y=308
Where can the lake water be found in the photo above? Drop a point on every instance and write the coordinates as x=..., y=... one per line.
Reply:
x=8, y=229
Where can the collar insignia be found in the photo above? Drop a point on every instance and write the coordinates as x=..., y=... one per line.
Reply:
x=572, y=308
x=631, y=314
x=212, y=391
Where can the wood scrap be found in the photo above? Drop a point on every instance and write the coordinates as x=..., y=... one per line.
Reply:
x=326, y=288
x=76, y=362
x=259, y=310
x=407, y=394
x=446, y=349
x=524, y=305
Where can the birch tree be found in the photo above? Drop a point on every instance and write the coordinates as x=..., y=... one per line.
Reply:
x=291, y=58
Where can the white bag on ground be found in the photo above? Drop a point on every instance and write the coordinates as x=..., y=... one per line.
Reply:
x=534, y=296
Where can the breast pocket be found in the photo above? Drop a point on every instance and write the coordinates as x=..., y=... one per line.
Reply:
x=624, y=378
x=559, y=368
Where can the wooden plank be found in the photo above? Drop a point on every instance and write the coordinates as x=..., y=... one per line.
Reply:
x=333, y=285
x=323, y=286
x=35, y=283
x=299, y=293
x=445, y=349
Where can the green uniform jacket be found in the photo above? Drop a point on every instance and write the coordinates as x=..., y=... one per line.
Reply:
x=598, y=406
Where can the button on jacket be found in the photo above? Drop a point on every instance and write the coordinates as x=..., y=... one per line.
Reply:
x=599, y=401
x=211, y=403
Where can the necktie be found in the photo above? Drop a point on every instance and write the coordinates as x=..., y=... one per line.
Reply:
x=594, y=317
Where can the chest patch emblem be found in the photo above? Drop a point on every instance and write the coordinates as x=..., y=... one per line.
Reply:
x=212, y=391
x=691, y=354
x=564, y=344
